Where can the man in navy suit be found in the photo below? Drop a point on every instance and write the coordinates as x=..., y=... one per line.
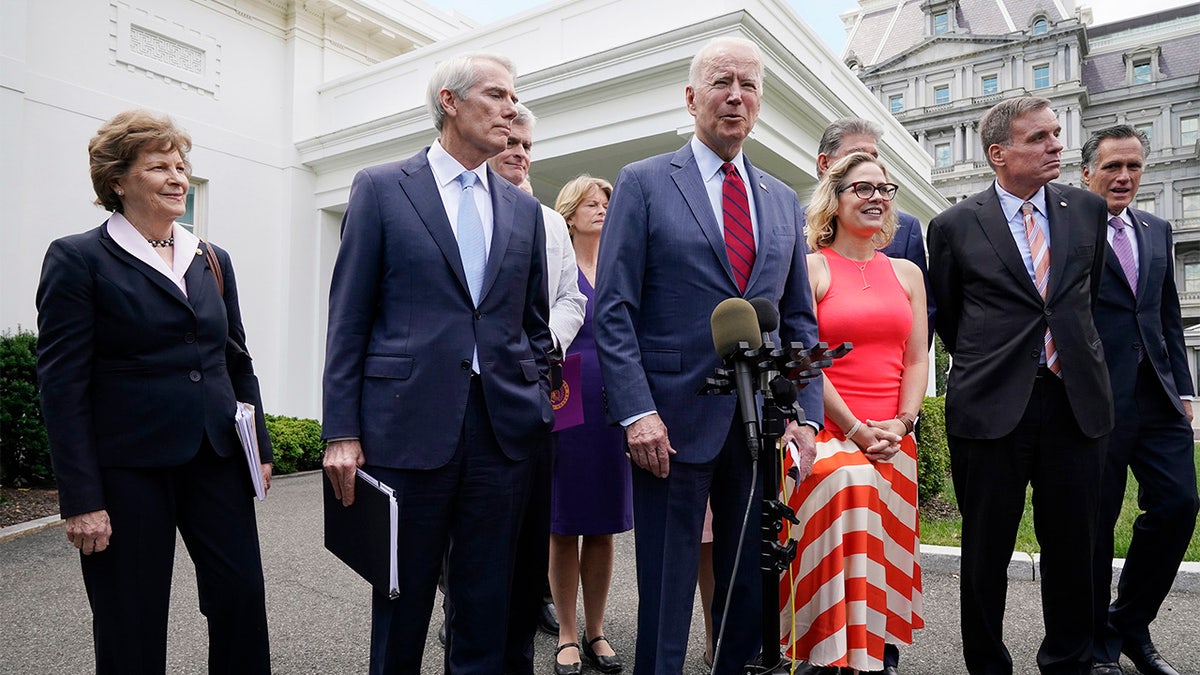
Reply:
x=671, y=250
x=1139, y=321
x=1016, y=272
x=854, y=134
x=436, y=372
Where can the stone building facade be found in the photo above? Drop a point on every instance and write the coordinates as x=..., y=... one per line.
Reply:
x=938, y=65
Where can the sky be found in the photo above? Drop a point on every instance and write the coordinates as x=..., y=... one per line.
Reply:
x=821, y=15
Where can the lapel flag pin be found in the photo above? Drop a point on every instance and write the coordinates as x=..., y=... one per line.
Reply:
x=1062, y=203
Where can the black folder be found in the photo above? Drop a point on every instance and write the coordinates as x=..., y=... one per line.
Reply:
x=363, y=535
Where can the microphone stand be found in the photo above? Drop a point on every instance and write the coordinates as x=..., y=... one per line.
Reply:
x=801, y=366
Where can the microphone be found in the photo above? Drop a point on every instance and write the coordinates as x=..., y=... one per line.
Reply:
x=768, y=321
x=734, y=321
x=767, y=314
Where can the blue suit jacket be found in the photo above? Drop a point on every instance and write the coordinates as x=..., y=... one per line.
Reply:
x=402, y=325
x=132, y=372
x=661, y=272
x=1151, y=321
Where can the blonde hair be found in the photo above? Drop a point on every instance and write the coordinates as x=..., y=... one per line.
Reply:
x=118, y=143
x=573, y=193
x=820, y=227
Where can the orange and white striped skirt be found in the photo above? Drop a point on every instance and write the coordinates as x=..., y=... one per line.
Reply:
x=856, y=581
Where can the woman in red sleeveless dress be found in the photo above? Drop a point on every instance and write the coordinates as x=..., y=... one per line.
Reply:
x=855, y=584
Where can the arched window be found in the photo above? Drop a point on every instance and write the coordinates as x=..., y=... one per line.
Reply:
x=1040, y=26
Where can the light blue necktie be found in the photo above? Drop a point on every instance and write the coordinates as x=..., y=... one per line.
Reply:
x=470, y=236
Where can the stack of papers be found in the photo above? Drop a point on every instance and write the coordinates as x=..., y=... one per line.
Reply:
x=364, y=535
x=244, y=419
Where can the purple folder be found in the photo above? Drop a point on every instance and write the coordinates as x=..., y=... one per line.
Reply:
x=567, y=400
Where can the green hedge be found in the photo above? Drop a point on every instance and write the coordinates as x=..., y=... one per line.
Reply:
x=933, y=453
x=24, y=448
x=297, y=443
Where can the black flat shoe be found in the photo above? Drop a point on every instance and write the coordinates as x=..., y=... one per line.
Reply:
x=575, y=668
x=1147, y=659
x=604, y=664
x=1107, y=669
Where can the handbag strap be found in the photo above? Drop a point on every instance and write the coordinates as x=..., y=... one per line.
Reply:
x=215, y=267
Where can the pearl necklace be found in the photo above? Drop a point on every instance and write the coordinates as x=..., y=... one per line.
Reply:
x=161, y=243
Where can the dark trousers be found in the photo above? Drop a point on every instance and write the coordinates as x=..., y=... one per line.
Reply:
x=532, y=566
x=1048, y=451
x=210, y=502
x=468, y=513
x=1154, y=440
x=668, y=522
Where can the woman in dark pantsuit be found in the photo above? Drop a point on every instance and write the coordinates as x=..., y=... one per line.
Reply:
x=142, y=360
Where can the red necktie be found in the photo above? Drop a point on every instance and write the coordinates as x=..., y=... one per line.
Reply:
x=1041, y=275
x=739, y=234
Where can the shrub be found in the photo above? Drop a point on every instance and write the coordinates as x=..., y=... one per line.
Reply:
x=941, y=366
x=933, y=453
x=24, y=448
x=297, y=443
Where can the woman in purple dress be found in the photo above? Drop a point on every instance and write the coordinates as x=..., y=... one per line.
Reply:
x=591, y=492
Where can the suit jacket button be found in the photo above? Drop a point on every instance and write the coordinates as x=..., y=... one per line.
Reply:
x=189, y=338
x=1035, y=353
x=1137, y=346
x=194, y=376
x=1048, y=311
x=465, y=364
x=478, y=315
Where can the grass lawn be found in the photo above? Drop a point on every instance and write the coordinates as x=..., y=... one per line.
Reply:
x=946, y=531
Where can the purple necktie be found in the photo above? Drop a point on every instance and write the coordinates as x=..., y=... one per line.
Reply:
x=1124, y=251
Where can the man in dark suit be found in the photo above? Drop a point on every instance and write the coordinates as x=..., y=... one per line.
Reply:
x=854, y=134
x=436, y=374
x=1139, y=322
x=684, y=231
x=1016, y=273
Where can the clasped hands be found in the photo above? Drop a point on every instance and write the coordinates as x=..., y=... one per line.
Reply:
x=879, y=440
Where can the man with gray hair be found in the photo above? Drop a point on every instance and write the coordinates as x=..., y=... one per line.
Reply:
x=1016, y=272
x=1141, y=327
x=853, y=134
x=436, y=372
x=685, y=231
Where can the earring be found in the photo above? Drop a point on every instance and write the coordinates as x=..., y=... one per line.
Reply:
x=120, y=193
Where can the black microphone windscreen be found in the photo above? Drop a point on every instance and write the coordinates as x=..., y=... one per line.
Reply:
x=734, y=321
x=768, y=315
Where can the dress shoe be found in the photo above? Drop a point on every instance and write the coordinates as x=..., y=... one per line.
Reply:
x=1147, y=659
x=1107, y=669
x=548, y=619
x=604, y=664
x=575, y=668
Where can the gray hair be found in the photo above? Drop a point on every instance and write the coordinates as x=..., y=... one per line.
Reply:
x=714, y=45
x=831, y=140
x=525, y=117
x=458, y=75
x=995, y=127
x=1092, y=147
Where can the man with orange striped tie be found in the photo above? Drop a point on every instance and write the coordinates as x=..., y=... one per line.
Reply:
x=1015, y=271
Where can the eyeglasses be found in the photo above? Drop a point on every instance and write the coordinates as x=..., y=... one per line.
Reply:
x=865, y=190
